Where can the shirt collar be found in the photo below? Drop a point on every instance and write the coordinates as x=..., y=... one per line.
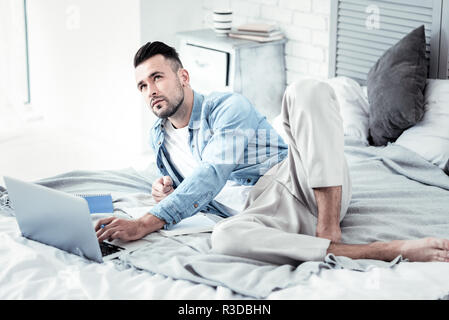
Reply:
x=195, y=117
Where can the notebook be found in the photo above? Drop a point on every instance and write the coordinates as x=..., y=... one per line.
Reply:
x=98, y=203
x=200, y=222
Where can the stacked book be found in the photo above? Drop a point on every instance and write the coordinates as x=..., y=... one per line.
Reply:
x=257, y=32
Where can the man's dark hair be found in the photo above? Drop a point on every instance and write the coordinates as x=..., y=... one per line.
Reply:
x=151, y=49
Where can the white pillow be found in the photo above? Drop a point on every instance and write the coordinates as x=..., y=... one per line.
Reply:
x=430, y=137
x=354, y=108
x=277, y=125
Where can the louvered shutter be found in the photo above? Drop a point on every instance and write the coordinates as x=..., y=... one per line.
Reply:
x=361, y=31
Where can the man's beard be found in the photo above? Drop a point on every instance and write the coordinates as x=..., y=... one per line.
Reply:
x=172, y=107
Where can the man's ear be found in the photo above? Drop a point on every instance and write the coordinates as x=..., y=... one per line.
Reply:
x=184, y=76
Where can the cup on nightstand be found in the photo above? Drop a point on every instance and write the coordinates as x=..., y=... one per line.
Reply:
x=222, y=21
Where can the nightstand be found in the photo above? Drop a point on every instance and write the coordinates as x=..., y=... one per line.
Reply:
x=255, y=70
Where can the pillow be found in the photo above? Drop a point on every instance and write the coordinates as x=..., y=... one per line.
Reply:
x=354, y=107
x=430, y=137
x=395, y=88
x=278, y=126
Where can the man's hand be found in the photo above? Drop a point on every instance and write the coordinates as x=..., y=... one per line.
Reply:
x=127, y=230
x=162, y=187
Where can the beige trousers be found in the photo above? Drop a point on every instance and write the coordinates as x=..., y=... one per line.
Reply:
x=279, y=221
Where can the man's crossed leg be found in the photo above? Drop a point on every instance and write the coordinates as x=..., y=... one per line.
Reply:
x=294, y=211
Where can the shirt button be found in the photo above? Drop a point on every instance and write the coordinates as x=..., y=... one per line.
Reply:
x=196, y=205
x=248, y=180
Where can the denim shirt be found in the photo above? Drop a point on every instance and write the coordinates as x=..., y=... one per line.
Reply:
x=231, y=140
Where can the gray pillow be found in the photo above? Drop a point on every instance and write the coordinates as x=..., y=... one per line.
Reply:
x=395, y=88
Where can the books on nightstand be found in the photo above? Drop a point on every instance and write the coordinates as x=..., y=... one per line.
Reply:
x=257, y=32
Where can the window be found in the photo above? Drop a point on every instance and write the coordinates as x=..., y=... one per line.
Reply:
x=14, y=80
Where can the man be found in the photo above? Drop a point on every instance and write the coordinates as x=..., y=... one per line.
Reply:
x=210, y=150
x=293, y=202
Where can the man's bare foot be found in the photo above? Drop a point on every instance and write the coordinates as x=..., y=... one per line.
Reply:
x=427, y=249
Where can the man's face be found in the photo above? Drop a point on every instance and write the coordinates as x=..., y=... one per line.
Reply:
x=160, y=86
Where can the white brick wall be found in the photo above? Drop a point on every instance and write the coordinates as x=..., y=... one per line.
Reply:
x=304, y=22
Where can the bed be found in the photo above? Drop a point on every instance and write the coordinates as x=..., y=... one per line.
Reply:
x=400, y=190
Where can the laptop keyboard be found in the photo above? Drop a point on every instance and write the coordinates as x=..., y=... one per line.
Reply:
x=107, y=248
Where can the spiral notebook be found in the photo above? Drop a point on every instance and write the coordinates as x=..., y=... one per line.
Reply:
x=98, y=203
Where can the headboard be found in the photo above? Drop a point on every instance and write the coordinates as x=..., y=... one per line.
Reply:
x=362, y=30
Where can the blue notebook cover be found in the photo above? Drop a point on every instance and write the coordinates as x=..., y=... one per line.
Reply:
x=99, y=203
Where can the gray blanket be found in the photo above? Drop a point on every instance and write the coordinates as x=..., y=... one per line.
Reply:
x=396, y=195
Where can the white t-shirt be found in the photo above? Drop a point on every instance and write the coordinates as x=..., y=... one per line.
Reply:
x=233, y=195
x=176, y=142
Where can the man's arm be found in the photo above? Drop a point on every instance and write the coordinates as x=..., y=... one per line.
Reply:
x=328, y=201
x=127, y=230
x=113, y=228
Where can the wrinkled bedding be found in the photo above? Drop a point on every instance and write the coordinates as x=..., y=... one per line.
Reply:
x=396, y=195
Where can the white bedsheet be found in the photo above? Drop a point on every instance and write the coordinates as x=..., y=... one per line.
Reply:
x=31, y=270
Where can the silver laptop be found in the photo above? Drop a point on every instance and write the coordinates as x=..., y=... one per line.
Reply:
x=61, y=220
